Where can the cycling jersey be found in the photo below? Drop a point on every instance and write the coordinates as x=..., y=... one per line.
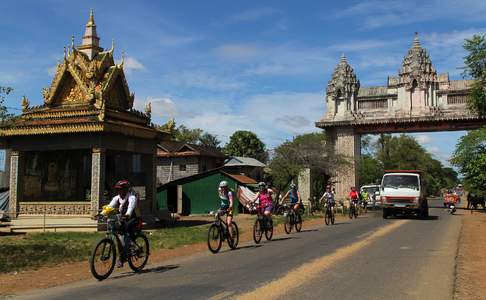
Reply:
x=329, y=197
x=293, y=196
x=353, y=195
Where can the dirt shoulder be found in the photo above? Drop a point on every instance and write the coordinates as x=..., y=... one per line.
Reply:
x=471, y=258
x=61, y=274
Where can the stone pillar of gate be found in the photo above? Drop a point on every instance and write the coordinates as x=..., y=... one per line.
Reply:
x=98, y=158
x=15, y=192
x=305, y=181
x=346, y=143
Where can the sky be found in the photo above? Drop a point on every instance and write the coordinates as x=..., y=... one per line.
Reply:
x=239, y=65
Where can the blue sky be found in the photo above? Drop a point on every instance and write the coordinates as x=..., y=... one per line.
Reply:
x=229, y=65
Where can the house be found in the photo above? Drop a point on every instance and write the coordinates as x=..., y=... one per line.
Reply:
x=246, y=166
x=177, y=160
x=198, y=194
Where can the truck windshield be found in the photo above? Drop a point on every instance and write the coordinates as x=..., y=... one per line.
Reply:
x=401, y=181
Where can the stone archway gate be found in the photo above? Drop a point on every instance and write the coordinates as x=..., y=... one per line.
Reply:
x=417, y=100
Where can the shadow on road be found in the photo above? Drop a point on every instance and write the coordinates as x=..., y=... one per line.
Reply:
x=283, y=239
x=309, y=230
x=245, y=247
x=429, y=218
x=159, y=269
x=342, y=223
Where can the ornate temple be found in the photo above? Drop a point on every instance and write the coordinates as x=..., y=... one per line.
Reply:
x=68, y=152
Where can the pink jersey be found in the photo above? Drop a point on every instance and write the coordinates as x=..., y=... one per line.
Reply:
x=265, y=199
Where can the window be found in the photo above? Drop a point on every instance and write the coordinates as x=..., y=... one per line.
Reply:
x=182, y=167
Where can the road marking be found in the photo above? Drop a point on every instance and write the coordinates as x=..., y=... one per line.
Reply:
x=223, y=295
x=310, y=270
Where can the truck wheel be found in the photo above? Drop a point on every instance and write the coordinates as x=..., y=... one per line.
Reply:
x=385, y=213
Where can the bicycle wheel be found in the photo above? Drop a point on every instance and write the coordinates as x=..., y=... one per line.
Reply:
x=269, y=229
x=102, y=261
x=298, y=222
x=214, y=238
x=288, y=224
x=257, y=231
x=351, y=211
x=327, y=217
x=139, y=253
x=234, y=238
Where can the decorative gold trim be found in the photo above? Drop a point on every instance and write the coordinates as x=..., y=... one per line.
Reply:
x=51, y=129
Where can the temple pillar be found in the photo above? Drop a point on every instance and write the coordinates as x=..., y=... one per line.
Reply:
x=98, y=158
x=15, y=192
x=346, y=143
x=305, y=181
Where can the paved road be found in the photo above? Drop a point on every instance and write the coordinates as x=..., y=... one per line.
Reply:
x=367, y=258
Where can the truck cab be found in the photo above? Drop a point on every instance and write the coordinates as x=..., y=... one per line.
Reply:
x=404, y=192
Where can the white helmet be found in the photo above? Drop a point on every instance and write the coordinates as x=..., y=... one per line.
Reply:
x=223, y=183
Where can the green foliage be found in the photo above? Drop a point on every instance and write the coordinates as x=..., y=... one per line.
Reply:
x=305, y=151
x=4, y=114
x=475, y=67
x=470, y=157
x=195, y=136
x=246, y=143
x=401, y=153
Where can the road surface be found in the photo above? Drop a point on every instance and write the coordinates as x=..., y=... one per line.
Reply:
x=367, y=258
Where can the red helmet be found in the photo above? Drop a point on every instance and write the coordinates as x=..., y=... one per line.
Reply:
x=122, y=184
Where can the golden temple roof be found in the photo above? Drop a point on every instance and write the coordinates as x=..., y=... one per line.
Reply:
x=89, y=93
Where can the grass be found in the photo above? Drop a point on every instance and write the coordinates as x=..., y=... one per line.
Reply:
x=35, y=250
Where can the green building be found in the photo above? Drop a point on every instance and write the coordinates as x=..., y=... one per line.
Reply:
x=198, y=194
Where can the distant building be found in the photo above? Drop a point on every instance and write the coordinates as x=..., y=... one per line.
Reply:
x=245, y=166
x=177, y=160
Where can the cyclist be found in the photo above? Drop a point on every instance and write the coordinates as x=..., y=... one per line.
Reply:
x=365, y=197
x=294, y=196
x=328, y=197
x=353, y=197
x=264, y=197
x=226, y=205
x=126, y=203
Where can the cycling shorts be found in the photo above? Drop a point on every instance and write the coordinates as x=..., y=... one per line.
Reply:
x=229, y=212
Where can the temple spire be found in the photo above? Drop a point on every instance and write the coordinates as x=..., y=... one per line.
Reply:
x=91, y=42
x=416, y=41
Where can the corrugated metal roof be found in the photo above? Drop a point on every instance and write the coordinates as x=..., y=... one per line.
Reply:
x=243, y=161
x=241, y=178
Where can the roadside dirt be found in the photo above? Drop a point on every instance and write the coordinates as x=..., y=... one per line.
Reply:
x=61, y=274
x=471, y=258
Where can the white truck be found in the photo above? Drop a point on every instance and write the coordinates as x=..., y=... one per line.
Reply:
x=403, y=192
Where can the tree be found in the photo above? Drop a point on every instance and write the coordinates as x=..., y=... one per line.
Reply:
x=246, y=143
x=305, y=151
x=475, y=67
x=195, y=136
x=470, y=157
x=4, y=114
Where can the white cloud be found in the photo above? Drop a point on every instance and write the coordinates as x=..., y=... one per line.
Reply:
x=273, y=117
x=423, y=138
x=132, y=64
x=239, y=52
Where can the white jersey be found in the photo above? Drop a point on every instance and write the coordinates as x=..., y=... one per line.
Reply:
x=119, y=202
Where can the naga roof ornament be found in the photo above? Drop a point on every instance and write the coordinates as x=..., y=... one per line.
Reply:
x=417, y=66
x=344, y=80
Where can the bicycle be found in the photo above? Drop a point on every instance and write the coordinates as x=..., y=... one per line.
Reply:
x=103, y=258
x=353, y=212
x=218, y=232
x=292, y=218
x=329, y=214
x=262, y=224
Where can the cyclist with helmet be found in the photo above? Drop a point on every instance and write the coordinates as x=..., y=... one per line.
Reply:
x=126, y=203
x=264, y=197
x=353, y=197
x=328, y=197
x=226, y=204
x=294, y=196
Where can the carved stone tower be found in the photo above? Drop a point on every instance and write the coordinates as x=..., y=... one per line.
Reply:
x=342, y=91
